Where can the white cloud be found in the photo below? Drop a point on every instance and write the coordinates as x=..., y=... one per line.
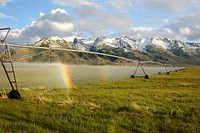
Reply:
x=4, y=16
x=157, y=21
x=187, y=26
x=35, y=39
x=54, y=11
x=122, y=5
x=4, y=2
x=15, y=33
x=171, y=5
x=148, y=32
x=57, y=23
x=98, y=17
x=100, y=33
x=62, y=27
x=88, y=11
x=176, y=6
x=42, y=14
x=97, y=21
x=168, y=31
x=185, y=31
x=114, y=22
x=76, y=3
x=166, y=20
x=57, y=15
x=141, y=29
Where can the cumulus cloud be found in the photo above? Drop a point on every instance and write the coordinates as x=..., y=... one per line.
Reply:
x=117, y=22
x=97, y=17
x=188, y=26
x=57, y=23
x=98, y=21
x=54, y=11
x=57, y=15
x=106, y=17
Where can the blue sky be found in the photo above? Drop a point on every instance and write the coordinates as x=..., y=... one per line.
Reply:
x=32, y=20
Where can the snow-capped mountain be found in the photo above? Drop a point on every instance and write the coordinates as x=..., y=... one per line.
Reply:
x=156, y=48
x=82, y=44
x=124, y=42
x=53, y=42
x=169, y=44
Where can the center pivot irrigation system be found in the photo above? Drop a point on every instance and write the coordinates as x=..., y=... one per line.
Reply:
x=7, y=63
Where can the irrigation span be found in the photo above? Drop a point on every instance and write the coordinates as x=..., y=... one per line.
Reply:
x=38, y=73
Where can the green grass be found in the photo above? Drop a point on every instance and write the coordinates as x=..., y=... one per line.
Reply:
x=163, y=103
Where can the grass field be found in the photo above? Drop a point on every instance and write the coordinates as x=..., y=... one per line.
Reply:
x=163, y=103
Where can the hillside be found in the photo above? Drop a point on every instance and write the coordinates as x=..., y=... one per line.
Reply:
x=157, y=49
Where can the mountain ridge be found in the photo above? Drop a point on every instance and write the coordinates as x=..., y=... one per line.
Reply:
x=159, y=49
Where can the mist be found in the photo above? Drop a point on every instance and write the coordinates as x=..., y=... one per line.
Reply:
x=46, y=75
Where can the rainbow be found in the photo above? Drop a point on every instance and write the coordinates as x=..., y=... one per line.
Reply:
x=64, y=72
x=105, y=73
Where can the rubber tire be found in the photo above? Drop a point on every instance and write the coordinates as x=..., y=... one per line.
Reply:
x=14, y=94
